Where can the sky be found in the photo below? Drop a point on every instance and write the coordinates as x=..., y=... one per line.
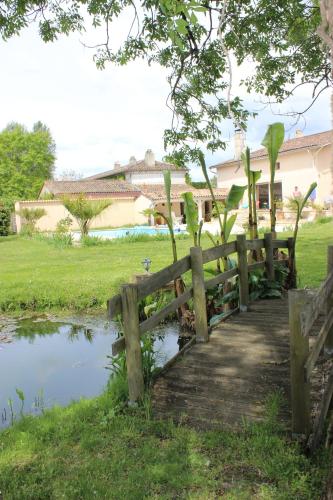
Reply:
x=98, y=117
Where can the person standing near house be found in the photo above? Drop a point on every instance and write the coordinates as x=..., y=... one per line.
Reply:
x=296, y=192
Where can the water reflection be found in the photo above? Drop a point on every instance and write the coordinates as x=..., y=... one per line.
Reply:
x=57, y=361
x=32, y=330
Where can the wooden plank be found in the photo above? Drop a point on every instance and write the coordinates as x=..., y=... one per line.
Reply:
x=114, y=306
x=218, y=252
x=256, y=265
x=199, y=295
x=254, y=244
x=129, y=297
x=221, y=278
x=316, y=304
x=299, y=351
x=283, y=262
x=161, y=278
x=268, y=237
x=318, y=345
x=324, y=406
x=280, y=244
x=156, y=318
x=118, y=346
x=243, y=273
x=329, y=303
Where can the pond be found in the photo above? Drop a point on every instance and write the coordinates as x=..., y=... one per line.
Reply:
x=56, y=361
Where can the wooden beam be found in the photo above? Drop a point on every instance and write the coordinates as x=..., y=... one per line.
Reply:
x=299, y=351
x=199, y=295
x=324, y=406
x=156, y=318
x=280, y=244
x=255, y=244
x=316, y=305
x=256, y=265
x=268, y=237
x=243, y=273
x=114, y=306
x=329, y=303
x=318, y=345
x=161, y=278
x=218, y=252
x=129, y=297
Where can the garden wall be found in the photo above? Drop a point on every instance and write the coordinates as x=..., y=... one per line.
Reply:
x=122, y=212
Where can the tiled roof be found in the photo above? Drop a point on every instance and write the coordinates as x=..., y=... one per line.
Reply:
x=303, y=142
x=89, y=186
x=156, y=192
x=138, y=166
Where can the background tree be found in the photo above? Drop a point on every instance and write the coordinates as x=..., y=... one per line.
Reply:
x=85, y=211
x=197, y=43
x=26, y=161
x=4, y=220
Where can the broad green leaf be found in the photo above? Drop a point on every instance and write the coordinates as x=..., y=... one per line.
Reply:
x=308, y=194
x=234, y=197
x=191, y=212
x=167, y=187
x=272, y=141
x=181, y=26
x=245, y=157
x=229, y=225
x=255, y=176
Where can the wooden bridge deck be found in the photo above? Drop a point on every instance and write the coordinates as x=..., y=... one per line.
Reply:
x=228, y=379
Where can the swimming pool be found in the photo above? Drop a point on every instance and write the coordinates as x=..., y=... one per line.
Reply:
x=122, y=232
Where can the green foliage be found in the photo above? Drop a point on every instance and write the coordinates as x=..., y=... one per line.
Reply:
x=192, y=217
x=26, y=160
x=84, y=210
x=273, y=141
x=4, y=221
x=30, y=218
x=279, y=36
x=324, y=220
x=64, y=225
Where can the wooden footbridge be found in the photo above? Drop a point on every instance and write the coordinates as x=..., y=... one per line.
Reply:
x=224, y=376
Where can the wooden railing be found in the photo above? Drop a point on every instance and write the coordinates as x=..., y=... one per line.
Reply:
x=305, y=307
x=126, y=303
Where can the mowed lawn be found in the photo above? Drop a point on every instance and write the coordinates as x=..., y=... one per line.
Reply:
x=35, y=275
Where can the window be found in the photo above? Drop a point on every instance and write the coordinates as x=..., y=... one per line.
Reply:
x=277, y=165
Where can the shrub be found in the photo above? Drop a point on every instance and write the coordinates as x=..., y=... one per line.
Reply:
x=30, y=217
x=4, y=221
x=63, y=225
x=324, y=220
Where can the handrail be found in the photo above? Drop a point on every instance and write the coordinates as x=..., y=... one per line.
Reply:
x=312, y=310
x=126, y=303
x=304, y=310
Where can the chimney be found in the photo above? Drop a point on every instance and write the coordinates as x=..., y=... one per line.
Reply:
x=116, y=164
x=239, y=143
x=298, y=133
x=149, y=158
x=132, y=160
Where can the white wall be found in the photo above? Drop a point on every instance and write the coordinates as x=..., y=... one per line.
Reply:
x=296, y=169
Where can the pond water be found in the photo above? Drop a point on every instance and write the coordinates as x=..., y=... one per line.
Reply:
x=55, y=362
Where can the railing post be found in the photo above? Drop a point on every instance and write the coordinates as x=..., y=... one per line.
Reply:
x=199, y=295
x=329, y=303
x=243, y=273
x=129, y=297
x=269, y=263
x=299, y=351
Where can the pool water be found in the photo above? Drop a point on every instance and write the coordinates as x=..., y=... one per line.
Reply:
x=55, y=362
x=130, y=231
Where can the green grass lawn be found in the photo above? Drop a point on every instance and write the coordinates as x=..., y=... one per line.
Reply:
x=85, y=451
x=35, y=275
x=90, y=449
